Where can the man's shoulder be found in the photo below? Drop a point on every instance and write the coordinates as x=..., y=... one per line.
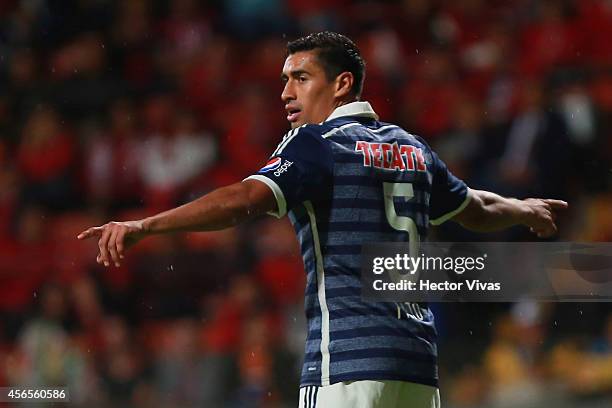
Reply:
x=375, y=126
x=322, y=129
x=314, y=133
x=343, y=126
x=308, y=129
x=303, y=139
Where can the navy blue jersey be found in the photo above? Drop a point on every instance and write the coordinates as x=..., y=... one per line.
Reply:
x=348, y=181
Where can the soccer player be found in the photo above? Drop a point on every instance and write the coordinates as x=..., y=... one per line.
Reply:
x=345, y=178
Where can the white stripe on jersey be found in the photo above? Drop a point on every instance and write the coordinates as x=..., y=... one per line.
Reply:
x=321, y=294
x=383, y=128
x=287, y=135
x=286, y=139
x=334, y=131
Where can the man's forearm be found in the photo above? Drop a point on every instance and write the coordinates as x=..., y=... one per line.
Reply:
x=222, y=208
x=491, y=212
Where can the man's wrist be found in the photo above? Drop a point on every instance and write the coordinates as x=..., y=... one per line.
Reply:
x=146, y=225
x=525, y=212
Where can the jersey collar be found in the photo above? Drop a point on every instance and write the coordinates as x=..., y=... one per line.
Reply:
x=361, y=109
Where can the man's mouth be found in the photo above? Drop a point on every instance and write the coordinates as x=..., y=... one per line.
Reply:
x=293, y=114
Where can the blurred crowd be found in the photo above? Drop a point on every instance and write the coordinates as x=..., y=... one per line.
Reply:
x=119, y=109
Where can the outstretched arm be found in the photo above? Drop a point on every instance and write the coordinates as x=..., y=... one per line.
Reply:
x=222, y=208
x=487, y=212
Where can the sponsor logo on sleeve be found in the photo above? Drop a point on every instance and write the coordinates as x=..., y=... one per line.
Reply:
x=276, y=164
x=283, y=168
x=273, y=164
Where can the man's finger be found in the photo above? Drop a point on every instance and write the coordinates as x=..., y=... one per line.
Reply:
x=112, y=246
x=90, y=232
x=556, y=204
x=120, y=243
x=550, y=230
x=102, y=245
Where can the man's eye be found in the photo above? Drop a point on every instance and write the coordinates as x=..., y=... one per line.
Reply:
x=302, y=79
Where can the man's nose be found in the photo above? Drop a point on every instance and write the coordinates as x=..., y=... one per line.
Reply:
x=288, y=93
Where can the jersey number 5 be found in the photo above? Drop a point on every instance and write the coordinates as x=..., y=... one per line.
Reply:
x=399, y=222
x=402, y=223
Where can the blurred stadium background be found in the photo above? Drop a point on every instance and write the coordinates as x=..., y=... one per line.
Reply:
x=118, y=109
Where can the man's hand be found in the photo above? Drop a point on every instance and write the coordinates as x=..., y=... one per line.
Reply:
x=540, y=215
x=222, y=208
x=488, y=212
x=114, y=239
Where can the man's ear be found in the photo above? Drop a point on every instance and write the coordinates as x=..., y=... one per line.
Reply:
x=344, y=84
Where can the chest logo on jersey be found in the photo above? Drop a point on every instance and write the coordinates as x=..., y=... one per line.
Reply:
x=391, y=156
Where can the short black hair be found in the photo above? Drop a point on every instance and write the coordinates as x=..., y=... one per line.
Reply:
x=336, y=53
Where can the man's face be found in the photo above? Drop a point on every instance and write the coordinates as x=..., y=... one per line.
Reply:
x=308, y=95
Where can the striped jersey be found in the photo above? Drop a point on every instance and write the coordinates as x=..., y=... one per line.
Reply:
x=348, y=181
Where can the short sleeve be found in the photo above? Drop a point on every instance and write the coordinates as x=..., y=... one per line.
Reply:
x=300, y=169
x=449, y=194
